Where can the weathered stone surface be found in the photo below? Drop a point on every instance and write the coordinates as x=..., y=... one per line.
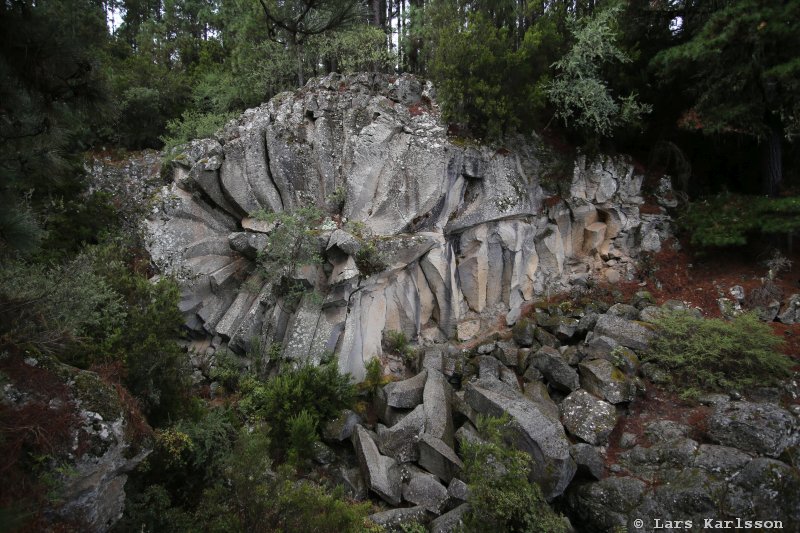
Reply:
x=438, y=458
x=756, y=427
x=588, y=417
x=437, y=403
x=425, y=490
x=790, y=314
x=523, y=332
x=400, y=440
x=461, y=230
x=626, y=332
x=393, y=519
x=588, y=459
x=534, y=432
x=451, y=521
x=407, y=393
x=607, y=504
x=555, y=369
x=344, y=241
x=536, y=391
x=625, y=311
x=381, y=473
x=458, y=490
x=603, y=379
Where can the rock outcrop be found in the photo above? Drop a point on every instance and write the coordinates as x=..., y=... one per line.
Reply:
x=465, y=232
x=91, y=440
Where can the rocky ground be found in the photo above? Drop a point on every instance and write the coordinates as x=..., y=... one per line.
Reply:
x=610, y=447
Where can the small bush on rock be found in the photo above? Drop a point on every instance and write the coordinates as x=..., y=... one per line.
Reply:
x=320, y=391
x=702, y=354
x=501, y=498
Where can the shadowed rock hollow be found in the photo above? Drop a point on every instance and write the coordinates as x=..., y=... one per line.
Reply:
x=463, y=229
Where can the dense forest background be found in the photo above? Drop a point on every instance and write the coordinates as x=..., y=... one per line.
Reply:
x=707, y=91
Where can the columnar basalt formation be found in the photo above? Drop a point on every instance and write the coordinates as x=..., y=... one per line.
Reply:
x=466, y=232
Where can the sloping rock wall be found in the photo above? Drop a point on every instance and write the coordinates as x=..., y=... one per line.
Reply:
x=467, y=232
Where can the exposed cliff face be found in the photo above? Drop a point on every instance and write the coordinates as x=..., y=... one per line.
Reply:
x=467, y=232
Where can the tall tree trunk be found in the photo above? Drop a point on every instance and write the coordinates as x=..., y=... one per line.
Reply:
x=771, y=162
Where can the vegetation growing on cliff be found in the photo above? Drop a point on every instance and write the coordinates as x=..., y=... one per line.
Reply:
x=709, y=354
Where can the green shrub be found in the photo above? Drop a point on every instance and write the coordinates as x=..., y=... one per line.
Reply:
x=501, y=498
x=49, y=308
x=374, y=378
x=154, y=367
x=193, y=125
x=253, y=498
x=320, y=391
x=302, y=429
x=291, y=244
x=369, y=259
x=729, y=219
x=701, y=354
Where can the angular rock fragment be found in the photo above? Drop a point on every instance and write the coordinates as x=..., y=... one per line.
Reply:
x=381, y=473
x=425, y=490
x=437, y=400
x=628, y=333
x=588, y=417
x=407, y=393
x=451, y=521
x=400, y=440
x=755, y=427
x=438, y=458
x=555, y=369
x=534, y=432
x=606, y=381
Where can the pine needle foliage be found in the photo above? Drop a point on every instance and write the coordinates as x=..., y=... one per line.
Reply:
x=709, y=354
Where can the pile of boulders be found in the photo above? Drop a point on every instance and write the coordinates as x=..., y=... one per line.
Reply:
x=566, y=375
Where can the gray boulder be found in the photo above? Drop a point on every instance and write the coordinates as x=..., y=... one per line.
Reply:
x=754, y=427
x=400, y=440
x=451, y=521
x=393, y=520
x=437, y=404
x=603, y=379
x=458, y=490
x=523, y=333
x=381, y=473
x=588, y=459
x=588, y=417
x=425, y=490
x=438, y=458
x=628, y=333
x=626, y=311
x=536, y=391
x=555, y=369
x=605, y=505
x=791, y=311
x=533, y=432
x=406, y=394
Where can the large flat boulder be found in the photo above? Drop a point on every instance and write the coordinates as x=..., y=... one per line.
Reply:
x=633, y=335
x=761, y=428
x=380, y=472
x=535, y=432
